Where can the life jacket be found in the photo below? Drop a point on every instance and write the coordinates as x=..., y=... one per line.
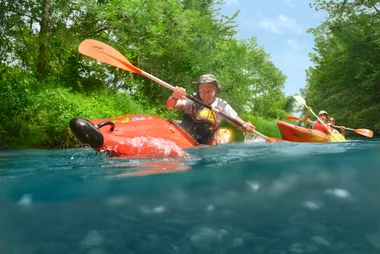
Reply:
x=202, y=123
x=320, y=127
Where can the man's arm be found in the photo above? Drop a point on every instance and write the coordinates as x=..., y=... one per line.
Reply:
x=177, y=99
x=173, y=103
x=342, y=128
x=306, y=117
x=244, y=126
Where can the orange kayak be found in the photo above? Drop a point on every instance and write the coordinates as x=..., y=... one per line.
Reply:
x=294, y=133
x=136, y=136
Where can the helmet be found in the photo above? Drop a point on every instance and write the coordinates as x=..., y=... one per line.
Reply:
x=209, y=78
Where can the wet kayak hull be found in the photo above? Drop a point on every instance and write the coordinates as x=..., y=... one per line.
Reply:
x=136, y=136
x=294, y=133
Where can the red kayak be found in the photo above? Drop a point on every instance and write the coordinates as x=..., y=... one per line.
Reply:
x=134, y=136
x=294, y=133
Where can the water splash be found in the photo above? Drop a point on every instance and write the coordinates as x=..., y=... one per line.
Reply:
x=144, y=145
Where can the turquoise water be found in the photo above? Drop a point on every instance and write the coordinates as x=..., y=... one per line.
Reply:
x=236, y=198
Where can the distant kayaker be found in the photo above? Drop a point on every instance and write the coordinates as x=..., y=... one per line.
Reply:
x=200, y=122
x=331, y=123
x=317, y=125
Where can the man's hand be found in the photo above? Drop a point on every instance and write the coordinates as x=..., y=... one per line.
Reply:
x=179, y=93
x=249, y=127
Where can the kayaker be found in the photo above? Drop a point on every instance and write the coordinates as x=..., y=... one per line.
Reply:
x=200, y=122
x=331, y=123
x=323, y=116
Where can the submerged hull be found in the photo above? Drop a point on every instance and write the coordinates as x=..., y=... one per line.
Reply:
x=134, y=136
x=295, y=133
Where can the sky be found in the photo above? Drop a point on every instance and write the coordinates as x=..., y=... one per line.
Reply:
x=280, y=27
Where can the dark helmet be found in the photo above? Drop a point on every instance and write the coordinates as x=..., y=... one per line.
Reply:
x=209, y=78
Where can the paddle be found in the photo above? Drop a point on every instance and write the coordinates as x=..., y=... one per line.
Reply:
x=302, y=101
x=293, y=118
x=106, y=54
x=364, y=132
x=268, y=139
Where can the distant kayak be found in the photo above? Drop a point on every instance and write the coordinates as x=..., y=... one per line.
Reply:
x=135, y=136
x=294, y=133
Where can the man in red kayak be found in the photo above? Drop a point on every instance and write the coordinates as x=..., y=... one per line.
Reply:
x=317, y=125
x=200, y=122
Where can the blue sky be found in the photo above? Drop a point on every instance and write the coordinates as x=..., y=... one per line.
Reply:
x=280, y=27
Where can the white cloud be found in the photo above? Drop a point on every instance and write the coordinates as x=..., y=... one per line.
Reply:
x=232, y=2
x=290, y=3
x=293, y=43
x=280, y=25
x=245, y=21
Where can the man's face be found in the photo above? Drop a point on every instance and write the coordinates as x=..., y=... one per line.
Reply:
x=207, y=92
x=323, y=117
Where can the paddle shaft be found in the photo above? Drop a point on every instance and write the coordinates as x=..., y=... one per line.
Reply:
x=344, y=128
x=332, y=134
x=303, y=102
x=163, y=83
x=299, y=119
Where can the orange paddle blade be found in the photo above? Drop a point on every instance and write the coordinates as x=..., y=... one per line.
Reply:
x=267, y=139
x=364, y=132
x=293, y=118
x=106, y=54
x=272, y=140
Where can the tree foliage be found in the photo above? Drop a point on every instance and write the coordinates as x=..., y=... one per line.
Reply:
x=174, y=40
x=345, y=80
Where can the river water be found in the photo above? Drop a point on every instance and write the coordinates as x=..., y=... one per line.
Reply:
x=286, y=198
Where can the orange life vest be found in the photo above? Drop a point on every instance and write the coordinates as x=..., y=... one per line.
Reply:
x=320, y=127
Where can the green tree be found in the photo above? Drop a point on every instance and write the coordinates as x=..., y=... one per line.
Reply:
x=345, y=79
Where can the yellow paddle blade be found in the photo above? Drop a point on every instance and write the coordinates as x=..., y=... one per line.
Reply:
x=300, y=99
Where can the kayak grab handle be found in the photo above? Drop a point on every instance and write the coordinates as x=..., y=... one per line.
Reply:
x=102, y=124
